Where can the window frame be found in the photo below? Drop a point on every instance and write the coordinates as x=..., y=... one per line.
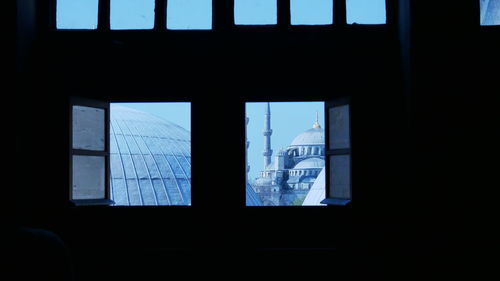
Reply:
x=330, y=200
x=328, y=103
x=106, y=105
x=78, y=101
x=223, y=19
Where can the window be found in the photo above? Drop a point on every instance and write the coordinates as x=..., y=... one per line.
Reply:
x=338, y=153
x=89, y=153
x=366, y=11
x=197, y=14
x=311, y=12
x=189, y=14
x=76, y=14
x=490, y=12
x=132, y=14
x=150, y=154
x=148, y=162
x=282, y=169
x=255, y=12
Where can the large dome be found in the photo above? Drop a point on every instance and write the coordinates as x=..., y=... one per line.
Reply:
x=313, y=136
x=310, y=163
x=150, y=159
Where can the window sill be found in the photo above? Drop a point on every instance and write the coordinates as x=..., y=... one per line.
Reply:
x=335, y=201
x=92, y=202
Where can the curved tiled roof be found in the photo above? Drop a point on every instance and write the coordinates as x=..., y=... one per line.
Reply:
x=252, y=197
x=317, y=192
x=150, y=159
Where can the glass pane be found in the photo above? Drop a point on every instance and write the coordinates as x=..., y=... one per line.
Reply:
x=255, y=12
x=311, y=12
x=339, y=127
x=132, y=14
x=340, y=176
x=76, y=14
x=490, y=12
x=189, y=14
x=285, y=152
x=88, y=177
x=147, y=153
x=88, y=128
x=366, y=11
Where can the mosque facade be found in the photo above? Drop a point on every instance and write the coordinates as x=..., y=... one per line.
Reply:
x=287, y=180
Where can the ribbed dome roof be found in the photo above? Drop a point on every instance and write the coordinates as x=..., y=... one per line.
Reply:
x=150, y=159
x=313, y=136
x=317, y=192
x=310, y=163
x=252, y=197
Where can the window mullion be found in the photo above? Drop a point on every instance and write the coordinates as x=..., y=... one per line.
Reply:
x=160, y=15
x=339, y=12
x=339, y=151
x=284, y=14
x=103, y=20
x=222, y=14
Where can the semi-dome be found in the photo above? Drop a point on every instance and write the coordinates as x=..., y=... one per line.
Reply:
x=150, y=159
x=252, y=197
x=310, y=163
x=313, y=136
x=317, y=192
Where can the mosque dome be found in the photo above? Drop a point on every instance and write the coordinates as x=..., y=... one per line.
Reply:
x=310, y=163
x=313, y=136
x=150, y=159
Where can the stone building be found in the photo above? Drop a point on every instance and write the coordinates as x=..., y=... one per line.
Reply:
x=288, y=179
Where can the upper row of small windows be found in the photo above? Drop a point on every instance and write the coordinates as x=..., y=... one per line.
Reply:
x=197, y=14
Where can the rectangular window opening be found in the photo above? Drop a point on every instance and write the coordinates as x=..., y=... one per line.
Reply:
x=255, y=12
x=150, y=154
x=132, y=14
x=189, y=14
x=76, y=14
x=285, y=153
x=311, y=12
x=366, y=11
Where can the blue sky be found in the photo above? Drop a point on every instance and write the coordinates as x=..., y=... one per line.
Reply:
x=365, y=11
x=288, y=119
x=175, y=112
x=197, y=14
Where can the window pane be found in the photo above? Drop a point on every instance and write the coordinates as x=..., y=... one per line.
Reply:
x=88, y=177
x=310, y=12
x=490, y=12
x=88, y=128
x=132, y=14
x=285, y=152
x=339, y=127
x=76, y=14
x=255, y=12
x=366, y=11
x=189, y=14
x=340, y=176
x=147, y=137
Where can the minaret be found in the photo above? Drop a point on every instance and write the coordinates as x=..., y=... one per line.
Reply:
x=316, y=124
x=268, y=152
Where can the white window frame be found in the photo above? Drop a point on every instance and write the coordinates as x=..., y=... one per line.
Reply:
x=76, y=101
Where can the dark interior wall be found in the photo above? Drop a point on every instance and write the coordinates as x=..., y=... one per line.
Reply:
x=421, y=125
